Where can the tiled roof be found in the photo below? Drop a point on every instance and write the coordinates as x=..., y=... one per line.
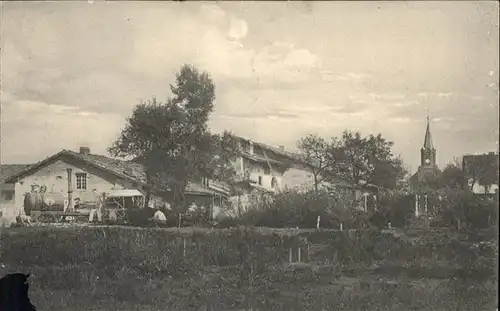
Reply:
x=127, y=169
x=8, y=170
x=124, y=169
x=293, y=157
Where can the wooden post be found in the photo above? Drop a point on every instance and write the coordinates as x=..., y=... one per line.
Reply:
x=290, y=255
x=341, y=226
x=299, y=253
x=70, y=206
x=416, y=205
x=425, y=205
x=184, y=248
x=308, y=252
x=180, y=220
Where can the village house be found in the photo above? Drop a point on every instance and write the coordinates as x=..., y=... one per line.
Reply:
x=81, y=176
x=264, y=170
x=7, y=191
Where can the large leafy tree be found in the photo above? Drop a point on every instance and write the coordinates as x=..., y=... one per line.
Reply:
x=367, y=159
x=353, y=158
x=318, y=154
x=481, y=169
x=171, y=139
x=452, y=176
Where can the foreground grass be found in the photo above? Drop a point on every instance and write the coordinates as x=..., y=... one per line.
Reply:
x=291, y=288
x=114, y=268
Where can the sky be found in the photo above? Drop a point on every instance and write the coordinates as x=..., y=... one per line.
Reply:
x=73, y=71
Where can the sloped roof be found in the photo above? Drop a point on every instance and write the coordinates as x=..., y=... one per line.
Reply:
x=286, y=154
x=8, y=170
x=128, y=170
x=281, y=152
x=124, y=193
x=428, y=137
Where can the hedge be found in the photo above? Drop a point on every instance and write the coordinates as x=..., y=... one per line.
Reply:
x=162, y=250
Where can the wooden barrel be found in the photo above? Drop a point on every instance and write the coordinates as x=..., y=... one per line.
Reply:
x=32, y=201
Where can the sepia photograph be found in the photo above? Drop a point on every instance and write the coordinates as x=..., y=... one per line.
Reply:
x=249, y=155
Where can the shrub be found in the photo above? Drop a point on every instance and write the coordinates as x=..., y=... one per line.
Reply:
x=395, y=207
x=293, y=208
x=473, y=211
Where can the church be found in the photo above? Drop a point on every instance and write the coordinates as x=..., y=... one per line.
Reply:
x=428, y=173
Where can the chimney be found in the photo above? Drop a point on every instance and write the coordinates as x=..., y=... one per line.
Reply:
x=84, y=150
x=282, y=148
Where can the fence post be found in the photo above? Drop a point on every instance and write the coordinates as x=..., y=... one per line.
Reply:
x=184, y=248
x=299, y=253
x=308, y=251
x=290, y=255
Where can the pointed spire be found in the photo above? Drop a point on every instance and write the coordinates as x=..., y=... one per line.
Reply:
x=428, y=138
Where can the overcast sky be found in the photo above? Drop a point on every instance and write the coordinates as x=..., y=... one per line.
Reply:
x=72, y=71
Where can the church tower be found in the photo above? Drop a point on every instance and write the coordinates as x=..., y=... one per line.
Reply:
x=428, y=152
x=427, y=171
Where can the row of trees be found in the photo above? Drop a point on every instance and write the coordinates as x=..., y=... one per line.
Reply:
x=353, y=158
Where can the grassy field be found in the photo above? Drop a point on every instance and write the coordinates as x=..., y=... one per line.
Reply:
x=103, y=269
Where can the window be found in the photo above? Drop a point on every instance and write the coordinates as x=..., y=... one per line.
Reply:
x=8, y=195
x=81, y=181
x=260, y=180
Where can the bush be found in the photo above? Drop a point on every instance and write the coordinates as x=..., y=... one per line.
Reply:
x=395, y=207
x=149, y=250
x=292, y=208
x=474, y=212
x=161, y=251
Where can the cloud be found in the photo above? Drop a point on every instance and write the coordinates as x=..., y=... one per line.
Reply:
x=238, y=29
x=401, y=120
x=49, y=128
x=262, y=115
x=280, y=71
x=444, y=94
x=387, y=96
x=351, y=76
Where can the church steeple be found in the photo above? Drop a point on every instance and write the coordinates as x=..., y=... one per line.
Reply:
x=428, y=137
x=428, y=152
